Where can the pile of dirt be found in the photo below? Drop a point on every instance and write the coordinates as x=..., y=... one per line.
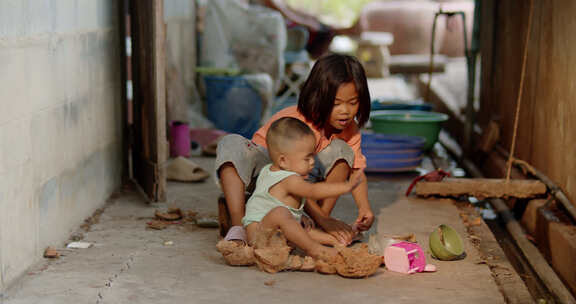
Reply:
x=236, y=253
x=171, y=216
x=271, y=253
x=357, y=262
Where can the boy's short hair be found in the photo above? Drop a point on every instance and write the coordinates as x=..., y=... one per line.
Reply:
x=286, y=129
x=318, y=92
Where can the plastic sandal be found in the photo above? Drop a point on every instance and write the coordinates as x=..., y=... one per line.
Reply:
x=236, y=233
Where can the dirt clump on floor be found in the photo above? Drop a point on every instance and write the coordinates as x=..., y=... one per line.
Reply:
x=271, y=253
x=357, y=262
x=294, y=263
x=236, y=253
x=172, y=214
x=308, y=264
x=324, y=267
x=272, y=259
x=271, y=250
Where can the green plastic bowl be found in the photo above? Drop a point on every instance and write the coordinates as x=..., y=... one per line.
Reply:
x=413, y=123
x=445, y=243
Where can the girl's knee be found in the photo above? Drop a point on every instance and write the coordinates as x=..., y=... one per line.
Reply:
x=231, y=139
x=337, y=151
x=340, y=168
x=340, y=145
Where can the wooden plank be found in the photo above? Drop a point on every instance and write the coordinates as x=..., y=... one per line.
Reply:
x=487, y=34
x=513, y=288
x=481, y=188
x=538, y=263
x=159, y=81
x=123, y=32
x=546, y=127
x=563, y=251
x=416, y=64
x=148, y=52
x=530, y=216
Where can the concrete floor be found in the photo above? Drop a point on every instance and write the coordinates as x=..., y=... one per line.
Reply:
x=131, y=264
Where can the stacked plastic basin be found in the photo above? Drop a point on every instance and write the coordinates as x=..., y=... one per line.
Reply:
x=392, y=153
x=401, y=132
x=409, y=123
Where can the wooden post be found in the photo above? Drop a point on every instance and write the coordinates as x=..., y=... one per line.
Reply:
x=148, y=53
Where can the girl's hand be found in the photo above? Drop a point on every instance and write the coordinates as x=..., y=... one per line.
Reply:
x=364, y=220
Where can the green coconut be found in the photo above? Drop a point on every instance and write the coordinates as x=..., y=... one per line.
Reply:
x=445, y=243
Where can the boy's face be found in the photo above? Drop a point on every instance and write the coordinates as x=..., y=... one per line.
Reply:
x=345, y=106
x=299, y=157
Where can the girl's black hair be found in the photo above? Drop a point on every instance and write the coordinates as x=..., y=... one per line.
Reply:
x=318, y=92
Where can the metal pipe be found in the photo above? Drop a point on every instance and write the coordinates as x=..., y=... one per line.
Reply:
x=554, y=189
x=431, y=66
x=470, y=54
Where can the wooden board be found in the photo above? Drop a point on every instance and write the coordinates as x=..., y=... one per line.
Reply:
x=149, y=150
x=563, y=251
x=546, y=129
x=416, y=64
x=481, y=188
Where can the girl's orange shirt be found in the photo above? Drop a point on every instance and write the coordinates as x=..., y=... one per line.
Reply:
x=351, y=135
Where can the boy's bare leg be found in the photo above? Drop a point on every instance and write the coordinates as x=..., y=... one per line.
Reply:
x=323, y=237
x=281, y=218
x=233, y=188
x=339, y=173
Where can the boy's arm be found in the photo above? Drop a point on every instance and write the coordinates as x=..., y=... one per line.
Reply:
x=299, y=187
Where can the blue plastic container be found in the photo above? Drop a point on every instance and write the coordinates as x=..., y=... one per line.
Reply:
x=391, y=142
x=400, y=105
x=232, y=104
x=392, y=153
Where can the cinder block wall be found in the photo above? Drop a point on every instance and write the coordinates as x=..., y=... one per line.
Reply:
x=60, y=122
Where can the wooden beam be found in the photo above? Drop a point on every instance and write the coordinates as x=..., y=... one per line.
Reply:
x=481, y=188
x=149, y=59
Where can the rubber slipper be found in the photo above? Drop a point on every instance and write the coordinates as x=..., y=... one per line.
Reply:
x=184, y=170
x=236, y=233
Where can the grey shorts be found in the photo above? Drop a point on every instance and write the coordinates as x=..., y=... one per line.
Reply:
x=248, y=158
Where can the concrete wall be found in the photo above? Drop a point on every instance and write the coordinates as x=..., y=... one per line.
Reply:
x=180, y=19
x=60, y=122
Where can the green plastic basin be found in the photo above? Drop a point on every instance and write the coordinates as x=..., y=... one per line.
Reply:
x=413, y=123
x=445, y=243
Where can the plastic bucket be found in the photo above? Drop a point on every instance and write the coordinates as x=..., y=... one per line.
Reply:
x=233, y=105
x=413, y=123
x=179, y=139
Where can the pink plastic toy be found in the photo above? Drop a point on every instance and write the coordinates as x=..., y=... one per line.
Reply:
x=179, y=139
x=406, y=257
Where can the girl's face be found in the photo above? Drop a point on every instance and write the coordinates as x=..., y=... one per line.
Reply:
x=345, y=106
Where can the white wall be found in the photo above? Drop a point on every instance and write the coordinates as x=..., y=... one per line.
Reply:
x=180, y=19
x=60, y=122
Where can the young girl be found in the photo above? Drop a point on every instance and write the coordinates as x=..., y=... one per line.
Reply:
x=335, y=103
